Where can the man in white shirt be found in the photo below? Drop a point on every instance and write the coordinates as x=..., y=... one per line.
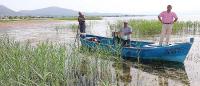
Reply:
x=126, y=35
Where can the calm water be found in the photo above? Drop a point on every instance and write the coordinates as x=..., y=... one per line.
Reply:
x=129, y=73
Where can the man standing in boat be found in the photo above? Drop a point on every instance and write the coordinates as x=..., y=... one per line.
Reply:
x=167, y=18
x=126, y=35
x=81, y=20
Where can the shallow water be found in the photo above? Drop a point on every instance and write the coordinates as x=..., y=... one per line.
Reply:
x=125, y=74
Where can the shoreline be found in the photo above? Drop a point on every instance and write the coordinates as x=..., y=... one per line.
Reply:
x=26, y=23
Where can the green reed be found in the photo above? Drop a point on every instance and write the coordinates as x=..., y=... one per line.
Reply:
x=22, y=64
x=51, y=64
x=73, y=27
x=59, y=65
x=153, y=27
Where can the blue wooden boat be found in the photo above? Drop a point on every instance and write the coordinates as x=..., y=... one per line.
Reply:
x=140, y=49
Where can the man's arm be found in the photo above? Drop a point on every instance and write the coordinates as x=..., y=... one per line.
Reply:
x=159, y=19
x=175, y=16
x=130, y=32
x=79, y=19
x=175, y=19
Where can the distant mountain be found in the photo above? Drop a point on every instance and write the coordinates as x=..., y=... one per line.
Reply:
x=4, y=11
x=49, y=11
x=103, y=14
x=57, y=11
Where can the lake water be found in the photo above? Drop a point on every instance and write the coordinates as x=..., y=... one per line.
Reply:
x=126, y=74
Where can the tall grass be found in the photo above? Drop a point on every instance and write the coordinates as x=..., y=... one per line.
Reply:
x=72, y=27
x=51, y=64
x=59, y=65
x=88, y=69
x=153, y=27
x=22, y=64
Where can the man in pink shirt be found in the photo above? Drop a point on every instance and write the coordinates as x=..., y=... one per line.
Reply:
x=167, y=18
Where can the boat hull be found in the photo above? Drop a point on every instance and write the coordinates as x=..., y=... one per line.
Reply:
x=140, y=49
x=175, y=52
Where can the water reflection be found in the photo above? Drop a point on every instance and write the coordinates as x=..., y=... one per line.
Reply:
x=123, y=73
x=93, y=70
x=83, y=74
x=132, y=73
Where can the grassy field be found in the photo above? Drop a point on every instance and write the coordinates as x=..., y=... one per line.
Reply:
x=153, y=27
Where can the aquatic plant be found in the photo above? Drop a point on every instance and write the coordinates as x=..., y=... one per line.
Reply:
x=51, y=64
x=145, y=28
x=22, y=64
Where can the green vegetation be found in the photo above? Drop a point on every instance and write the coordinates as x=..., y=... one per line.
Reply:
x=73, y=27
x=153, y=27
x=75, y=18
x=17, y=18
x=22, y=64
x=51, y=64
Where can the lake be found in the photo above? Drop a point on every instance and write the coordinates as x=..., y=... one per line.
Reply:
x=129, y=73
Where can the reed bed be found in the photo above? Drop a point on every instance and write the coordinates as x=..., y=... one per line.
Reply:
x=145, y=28
x=88, y=69
x=22, y=64
x=52, y=64
x=59, y=65
x=72, y=27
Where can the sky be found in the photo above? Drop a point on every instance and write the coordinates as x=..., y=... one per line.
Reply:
x=109, y=6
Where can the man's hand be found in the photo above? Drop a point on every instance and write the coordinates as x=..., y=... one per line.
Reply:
x=128, y=33
x=175, y=20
